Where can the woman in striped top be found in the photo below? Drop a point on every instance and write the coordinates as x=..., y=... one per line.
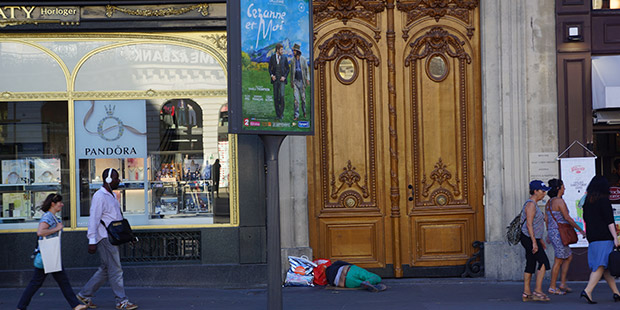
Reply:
x=532, y=232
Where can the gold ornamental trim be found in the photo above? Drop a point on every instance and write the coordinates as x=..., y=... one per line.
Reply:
x=150, y=94
x=218, y=40
x=203, y=8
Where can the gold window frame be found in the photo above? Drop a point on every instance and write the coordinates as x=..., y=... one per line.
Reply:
x=211, y=42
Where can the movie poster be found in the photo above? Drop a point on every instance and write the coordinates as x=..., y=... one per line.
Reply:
x=276, y=69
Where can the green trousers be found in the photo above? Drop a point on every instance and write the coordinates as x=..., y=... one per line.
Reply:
x=357, y=275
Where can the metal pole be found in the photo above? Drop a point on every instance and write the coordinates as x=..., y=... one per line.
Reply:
x=274, y=278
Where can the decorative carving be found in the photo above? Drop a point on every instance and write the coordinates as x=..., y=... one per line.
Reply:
x=438, y=41
x=437, y=9
x=440, y=175
x=349, y=177
x=345, y=10
x=345, y=42
x=219, y=40
x=203, y=8
x=349, y=44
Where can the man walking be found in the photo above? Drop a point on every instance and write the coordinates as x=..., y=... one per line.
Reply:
x=278, y=70
x=105, y=207
x=299, y=80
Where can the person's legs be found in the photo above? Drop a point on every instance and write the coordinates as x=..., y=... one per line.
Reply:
x=296, y=91
x=281, y=98
x=112, y=259
x=276, y=91
x=527, y=278
x=595, y=276
x=565, y=266
x=540, y=275
x=35, y=283
x=611, y=281
x=65, y=286
x=557, y=265
x=100, y=276
x=302, y=90
x=357, y=275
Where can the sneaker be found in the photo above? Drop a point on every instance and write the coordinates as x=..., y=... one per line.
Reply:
x=87, y=301
x=126, y=304
x=374, y=288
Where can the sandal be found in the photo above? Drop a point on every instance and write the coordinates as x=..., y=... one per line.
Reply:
x=540, y=296
x=556, y=291
x=565, y=289
x=526, y=297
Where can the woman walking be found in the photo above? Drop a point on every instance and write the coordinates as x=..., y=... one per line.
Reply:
x=602, y=238
x=531, y=234
x=49, y=225
x=556, y=212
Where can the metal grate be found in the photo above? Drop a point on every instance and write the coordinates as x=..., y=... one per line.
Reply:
x=163, y=247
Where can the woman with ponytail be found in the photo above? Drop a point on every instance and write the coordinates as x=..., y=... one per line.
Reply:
x=50, y=225
x=556, y=212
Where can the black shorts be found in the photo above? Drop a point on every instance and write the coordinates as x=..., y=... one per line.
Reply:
x=530, y=258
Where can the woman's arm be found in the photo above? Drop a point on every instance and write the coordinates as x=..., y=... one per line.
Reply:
x=612, y=230
x=530, y=212
x=564, y=210
x=45, y=230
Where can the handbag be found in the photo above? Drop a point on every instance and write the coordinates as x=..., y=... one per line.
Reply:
x=49, y=247
x=613, y=265
x=38, y=261
x=567, y=232
x=119, y=232
x=513, y=231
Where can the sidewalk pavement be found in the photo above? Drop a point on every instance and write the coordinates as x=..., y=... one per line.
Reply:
x=446, y=293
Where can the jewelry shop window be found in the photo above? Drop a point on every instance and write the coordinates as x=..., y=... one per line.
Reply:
x=153, y=106
x=172, y=151
x=33, y=160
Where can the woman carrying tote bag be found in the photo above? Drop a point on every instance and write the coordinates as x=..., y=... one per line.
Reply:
x=50, y=226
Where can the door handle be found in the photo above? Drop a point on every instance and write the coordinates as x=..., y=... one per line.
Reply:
x=412, y=192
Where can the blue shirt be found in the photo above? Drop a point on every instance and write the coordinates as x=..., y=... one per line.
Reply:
x=50, y=219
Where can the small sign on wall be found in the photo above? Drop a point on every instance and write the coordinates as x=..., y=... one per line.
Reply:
x=543, y=166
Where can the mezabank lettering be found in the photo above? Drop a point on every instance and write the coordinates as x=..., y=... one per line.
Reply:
x=118, y=150
x=8, y=12
x=275, y=22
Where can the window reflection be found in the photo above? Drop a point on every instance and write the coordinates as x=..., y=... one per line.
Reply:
x=33, y=159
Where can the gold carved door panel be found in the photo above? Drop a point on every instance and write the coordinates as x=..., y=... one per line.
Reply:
x=395, y=166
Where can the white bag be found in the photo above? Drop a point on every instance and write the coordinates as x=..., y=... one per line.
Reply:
x=50, y=253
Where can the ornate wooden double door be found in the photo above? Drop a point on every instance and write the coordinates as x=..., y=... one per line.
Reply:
x=395, y=168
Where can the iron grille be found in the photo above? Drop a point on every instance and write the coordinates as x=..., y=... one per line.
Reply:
x=162, y=247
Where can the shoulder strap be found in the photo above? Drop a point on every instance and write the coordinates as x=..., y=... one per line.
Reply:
x=551, y=210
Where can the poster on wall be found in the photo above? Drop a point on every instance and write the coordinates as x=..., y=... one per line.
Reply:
x=576, y=174
x=270, y=89
x=110, y=129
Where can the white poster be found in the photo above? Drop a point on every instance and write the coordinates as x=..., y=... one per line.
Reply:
x=110, y=128
x=576, y=174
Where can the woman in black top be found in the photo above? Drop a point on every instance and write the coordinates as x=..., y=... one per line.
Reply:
x=601, y=234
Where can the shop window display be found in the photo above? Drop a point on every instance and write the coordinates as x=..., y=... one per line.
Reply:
x=176, y=182
x=33, y=159
x=181, y=91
